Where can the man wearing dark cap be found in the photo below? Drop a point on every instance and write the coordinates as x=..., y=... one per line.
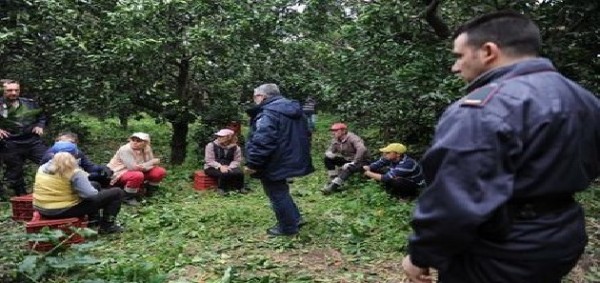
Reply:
x=22, y=124
x=401, y=175
x=346, y=155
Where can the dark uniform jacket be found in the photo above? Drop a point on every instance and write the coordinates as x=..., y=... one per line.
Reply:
x=524, y=134
x=278, y=145
x=20, y=126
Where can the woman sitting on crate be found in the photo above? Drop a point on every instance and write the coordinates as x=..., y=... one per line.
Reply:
x=222, y=159
x=62, y=190
x=135, y=168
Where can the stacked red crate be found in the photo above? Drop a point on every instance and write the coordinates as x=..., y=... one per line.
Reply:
x=37, y=224
x=203, y=182
x=22, y=207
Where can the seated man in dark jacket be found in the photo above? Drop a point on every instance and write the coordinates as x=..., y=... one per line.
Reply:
x=99, y=175
x=401, y=175
x=278, y=148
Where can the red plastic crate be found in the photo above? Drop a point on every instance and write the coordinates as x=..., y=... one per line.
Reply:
x=64, y=224
x=22, y=207
x=203, y=182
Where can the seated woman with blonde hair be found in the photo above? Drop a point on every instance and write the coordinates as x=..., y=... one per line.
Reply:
x=222, y=158
x=62, y=190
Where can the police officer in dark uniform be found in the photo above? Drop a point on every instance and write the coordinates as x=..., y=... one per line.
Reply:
x=22, y=123
x=505, y=163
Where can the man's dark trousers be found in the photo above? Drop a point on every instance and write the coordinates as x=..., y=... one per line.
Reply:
x=283, y=205
x=14, y=154
x=475, y=269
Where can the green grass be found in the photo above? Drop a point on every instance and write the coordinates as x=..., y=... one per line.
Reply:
x=183, y=235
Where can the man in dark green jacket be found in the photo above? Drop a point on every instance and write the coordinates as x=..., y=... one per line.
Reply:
x=22, y=124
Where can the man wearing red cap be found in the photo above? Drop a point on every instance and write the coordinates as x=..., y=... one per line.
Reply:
x=347, y=154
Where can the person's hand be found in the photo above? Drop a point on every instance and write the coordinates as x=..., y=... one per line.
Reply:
x=329, y=154
x=249, y=171
x=4, y=134
x=366, y=168
x=224, y=168
x=415, y=273
x=347, y=165
x=106, y=172
x=155, y=161
x=38, y=131
x=139, y=167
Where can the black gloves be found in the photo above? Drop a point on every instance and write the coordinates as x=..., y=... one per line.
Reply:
x=106, y=172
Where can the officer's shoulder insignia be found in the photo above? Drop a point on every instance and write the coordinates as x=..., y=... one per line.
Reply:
x=480, y=96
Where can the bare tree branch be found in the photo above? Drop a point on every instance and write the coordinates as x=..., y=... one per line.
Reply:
x=440, y=28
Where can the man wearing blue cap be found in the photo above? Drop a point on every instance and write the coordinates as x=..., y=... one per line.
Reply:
x=99, y=175
x=62, y=190
x=401, y=175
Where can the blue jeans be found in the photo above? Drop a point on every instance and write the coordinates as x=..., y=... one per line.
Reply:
x=283, y=205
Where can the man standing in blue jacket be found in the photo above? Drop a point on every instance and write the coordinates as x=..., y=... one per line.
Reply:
x=278, y=148
x=505, y=163
x=22, y=124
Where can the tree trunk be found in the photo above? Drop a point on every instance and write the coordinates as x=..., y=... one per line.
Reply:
x=124, y=121
x=179, y=142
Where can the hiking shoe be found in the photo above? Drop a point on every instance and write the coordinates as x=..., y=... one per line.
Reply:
x=275, y=231
x=131, y=201
x=110, y=229
x=301, y=222
x=329, y=189
x=244, y=191
x=93, y=224
x=222, y=192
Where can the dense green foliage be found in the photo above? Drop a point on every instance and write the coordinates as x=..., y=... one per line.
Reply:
x=182, y=235
x=183, y=68
x=380, y=64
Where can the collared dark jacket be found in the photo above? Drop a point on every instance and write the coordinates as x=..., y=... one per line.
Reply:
x=21, y=127
x=278, y=145
x=406, y=168
x=352, y=148
x=524, y=132
x=84, y=162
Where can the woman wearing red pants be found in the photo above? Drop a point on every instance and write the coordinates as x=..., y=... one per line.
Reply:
x=134, y=164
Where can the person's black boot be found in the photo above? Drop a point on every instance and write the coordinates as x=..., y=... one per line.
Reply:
x=93, y=221
x=130, y=199
x=151, y=190
x=110, y=228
